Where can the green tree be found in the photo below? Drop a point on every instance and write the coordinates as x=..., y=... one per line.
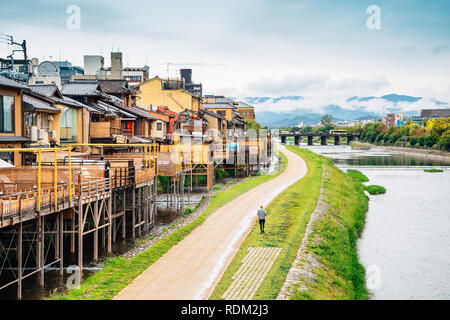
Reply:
x=327, y=120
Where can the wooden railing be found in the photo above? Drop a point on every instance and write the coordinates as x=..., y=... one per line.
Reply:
x=17, y=204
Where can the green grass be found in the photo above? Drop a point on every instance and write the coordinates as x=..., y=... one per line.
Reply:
x=339, y=276
x=216, y=187
x=118, y=272
x=288, y=215
x=433, y=170
x=358, y=175
x=374, y=189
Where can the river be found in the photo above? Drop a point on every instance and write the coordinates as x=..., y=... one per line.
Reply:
x=405, y=244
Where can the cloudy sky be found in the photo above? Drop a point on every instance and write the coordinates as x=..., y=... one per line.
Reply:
x=321, y=50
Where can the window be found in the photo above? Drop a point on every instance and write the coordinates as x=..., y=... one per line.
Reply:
x=45, y=121
x=69, y=125
x=6, y=113
x=159, y=126
x=30, y=119
x=221, y=113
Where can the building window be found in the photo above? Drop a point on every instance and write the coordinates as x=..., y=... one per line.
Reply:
x=6, y=113
x=69, y=125
x=30, y=119
x=45, y=121
x=221, y=113
x=159, y=126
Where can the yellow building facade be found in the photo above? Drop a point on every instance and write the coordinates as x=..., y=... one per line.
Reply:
x=156, y=92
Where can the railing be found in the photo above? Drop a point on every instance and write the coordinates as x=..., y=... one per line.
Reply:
x=121, y=131
x=15, y=205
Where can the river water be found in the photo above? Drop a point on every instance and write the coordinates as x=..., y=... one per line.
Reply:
x=405, y=246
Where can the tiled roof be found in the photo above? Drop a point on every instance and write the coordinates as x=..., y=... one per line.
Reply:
x=113, y=86
x=81, y=89
x=12, y=83
x=47, y=90
x=217, y=106
x=141, y=113
x=244, y=105
x=39, y=105
x=213, y=114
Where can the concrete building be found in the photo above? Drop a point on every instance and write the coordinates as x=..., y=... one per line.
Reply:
x=93, y=64
x=189, y=86
x=393, y=119
x=94, y=69
x=245, y=110
x=66, y=70
x=434, y=113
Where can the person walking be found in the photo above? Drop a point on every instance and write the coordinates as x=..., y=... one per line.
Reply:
x=262, y=218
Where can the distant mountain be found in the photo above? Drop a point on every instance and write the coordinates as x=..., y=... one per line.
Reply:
x=291, y=118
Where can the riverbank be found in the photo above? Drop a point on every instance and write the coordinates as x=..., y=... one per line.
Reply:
x=118, y=272
x=429, y=153
x=331, y=269
x=288, y=215
x=327, y=264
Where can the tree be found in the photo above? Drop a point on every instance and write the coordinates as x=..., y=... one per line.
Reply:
x=327, y=120
x=444, y=141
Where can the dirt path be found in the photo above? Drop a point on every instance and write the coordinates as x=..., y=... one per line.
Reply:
x=192, y=268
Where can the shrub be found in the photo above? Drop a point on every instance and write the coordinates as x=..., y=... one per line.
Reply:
x=358, y=175
x=187, y=210
x=393, y=138
x=374, y=189
x=216, y=187
x=429, y=141
x=379, y=138
x=408, y=144
x=261, y=173
x=413, y=141
x=421, y=140
x=444, y=141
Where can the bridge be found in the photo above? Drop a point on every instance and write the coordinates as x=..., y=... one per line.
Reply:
x=323, y=137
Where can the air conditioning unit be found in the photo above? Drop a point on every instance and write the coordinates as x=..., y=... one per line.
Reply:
x=32, y=133
x=52, y=134
x=40, y=134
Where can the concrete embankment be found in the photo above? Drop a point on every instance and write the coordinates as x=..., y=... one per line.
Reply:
x=432, y=154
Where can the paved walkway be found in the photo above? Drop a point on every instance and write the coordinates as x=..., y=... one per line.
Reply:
x=192, y=268
x=254, y=268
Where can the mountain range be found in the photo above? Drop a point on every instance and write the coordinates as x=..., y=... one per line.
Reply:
x=360, y=112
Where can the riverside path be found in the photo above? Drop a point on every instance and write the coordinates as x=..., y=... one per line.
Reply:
x=191, y=269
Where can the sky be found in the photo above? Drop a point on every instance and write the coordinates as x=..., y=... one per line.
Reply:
x=321, y=50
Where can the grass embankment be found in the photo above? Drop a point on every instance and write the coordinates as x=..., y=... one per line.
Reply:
x=358, y=175
x=433, y=170
x=338, y=275
x=288, y=215
x=118, y=272
x=372, y=189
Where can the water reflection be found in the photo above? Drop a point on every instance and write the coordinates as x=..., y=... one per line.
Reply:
x=407, y=231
